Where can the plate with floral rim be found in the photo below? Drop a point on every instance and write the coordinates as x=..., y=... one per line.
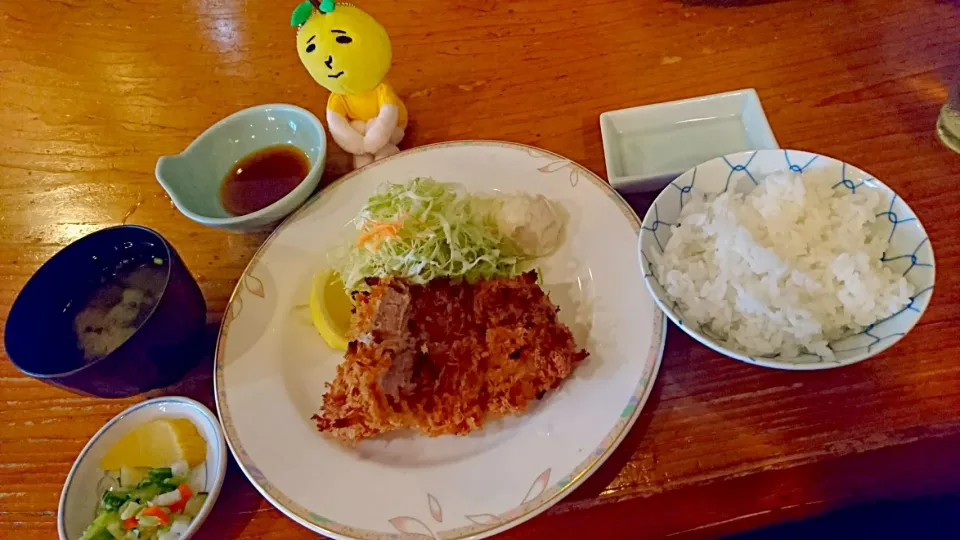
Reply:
x=271, y=366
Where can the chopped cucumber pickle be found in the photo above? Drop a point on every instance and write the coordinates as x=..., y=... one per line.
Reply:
x=150, y=504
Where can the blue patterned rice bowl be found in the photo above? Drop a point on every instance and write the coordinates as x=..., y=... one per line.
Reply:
x=908, y=253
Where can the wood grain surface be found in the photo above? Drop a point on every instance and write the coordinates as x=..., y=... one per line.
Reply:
x=92, y=92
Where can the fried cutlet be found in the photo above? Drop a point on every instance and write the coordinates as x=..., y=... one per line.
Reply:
x=444, y=357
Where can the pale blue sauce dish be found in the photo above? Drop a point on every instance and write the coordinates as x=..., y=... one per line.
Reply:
x=193, y=177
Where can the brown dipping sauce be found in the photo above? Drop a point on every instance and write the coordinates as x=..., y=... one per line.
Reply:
x=263, y=178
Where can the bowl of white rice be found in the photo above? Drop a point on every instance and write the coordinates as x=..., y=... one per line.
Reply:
x=787, y=259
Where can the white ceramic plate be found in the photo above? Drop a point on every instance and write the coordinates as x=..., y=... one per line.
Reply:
x=271, y=365
x=87, y=481
x=909, y=251
x=646, y=147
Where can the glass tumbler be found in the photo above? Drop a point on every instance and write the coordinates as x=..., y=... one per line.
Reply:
x=948, y=125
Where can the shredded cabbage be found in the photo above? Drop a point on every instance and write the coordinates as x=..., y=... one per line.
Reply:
x=424, y=230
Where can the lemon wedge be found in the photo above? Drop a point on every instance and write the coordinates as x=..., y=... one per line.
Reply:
x=330, y=308
x=158, y=443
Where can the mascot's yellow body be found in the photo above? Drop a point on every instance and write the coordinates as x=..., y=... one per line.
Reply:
x=348, y=52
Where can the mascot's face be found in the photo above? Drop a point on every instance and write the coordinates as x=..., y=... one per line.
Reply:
x=345, y=50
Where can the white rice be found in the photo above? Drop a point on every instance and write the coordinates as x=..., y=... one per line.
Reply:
x=785, y=269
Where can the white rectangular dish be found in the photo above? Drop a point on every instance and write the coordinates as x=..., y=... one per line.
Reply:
x=646, y=147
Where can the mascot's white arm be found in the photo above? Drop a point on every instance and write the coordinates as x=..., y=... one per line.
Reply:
x=345, y=136
x=380, y=129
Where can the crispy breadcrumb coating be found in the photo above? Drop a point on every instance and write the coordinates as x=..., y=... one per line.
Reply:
x=444, y=357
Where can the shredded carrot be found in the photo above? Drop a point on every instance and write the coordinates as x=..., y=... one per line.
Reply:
x=379, y=232
x=157, y=512
x=185, y=494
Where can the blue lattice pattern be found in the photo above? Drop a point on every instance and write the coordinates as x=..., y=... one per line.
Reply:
x=909, y=252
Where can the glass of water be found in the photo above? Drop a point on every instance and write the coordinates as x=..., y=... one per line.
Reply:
x=948, y=125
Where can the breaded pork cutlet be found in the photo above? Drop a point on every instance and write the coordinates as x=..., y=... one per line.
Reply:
x=441, y=358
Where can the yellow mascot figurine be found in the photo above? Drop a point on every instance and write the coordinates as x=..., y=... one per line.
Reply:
x=348, y=52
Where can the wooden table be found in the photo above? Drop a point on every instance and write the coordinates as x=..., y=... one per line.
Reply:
x=92, y=92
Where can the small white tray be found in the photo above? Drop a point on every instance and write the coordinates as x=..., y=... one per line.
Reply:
x=646, y=147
